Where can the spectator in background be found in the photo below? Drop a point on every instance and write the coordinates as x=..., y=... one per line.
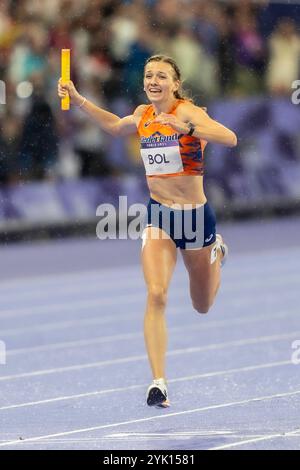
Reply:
x=36, y=57
x=217, y=42
x=124, y=31
x=283, y=67
x=198, y=68
x=226, y=54
x=9, y=149
x=250, y=55
x=168, y=13
x=89, y=141
x=39, y=142
x=10, y=31
x=206, y=19
x=139, y=51
x=60, y=34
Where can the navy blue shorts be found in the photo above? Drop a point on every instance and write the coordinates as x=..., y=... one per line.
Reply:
x=189, y=229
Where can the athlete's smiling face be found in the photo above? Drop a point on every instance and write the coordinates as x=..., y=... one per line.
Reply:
x=159, y=81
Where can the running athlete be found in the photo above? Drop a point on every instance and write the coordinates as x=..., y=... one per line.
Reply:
x=173, y=133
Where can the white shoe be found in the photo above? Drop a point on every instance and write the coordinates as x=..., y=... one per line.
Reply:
x=157, y=394
x=223, y=247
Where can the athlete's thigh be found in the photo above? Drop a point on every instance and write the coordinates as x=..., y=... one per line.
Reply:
x=158, y=257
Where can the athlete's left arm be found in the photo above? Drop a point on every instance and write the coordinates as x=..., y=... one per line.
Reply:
x=205, y=128
x=208, y=129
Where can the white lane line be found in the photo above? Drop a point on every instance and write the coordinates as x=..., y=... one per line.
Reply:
x=72, y=306
x=90, y=365
x=75, y=323
x=58, y=325
x=139, y=297
x=135, y=387
x=151, y=418
x=257, y=439
x=71, y=277
x=98, y=288
x=58, y=278
x=47, y=327
x=79, y=343
x=102, y=286
x=143, y=437
x=175, y=352
x=104, y=339
x=133, y=436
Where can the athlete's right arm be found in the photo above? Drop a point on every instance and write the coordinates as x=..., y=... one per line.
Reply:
x=109, y=122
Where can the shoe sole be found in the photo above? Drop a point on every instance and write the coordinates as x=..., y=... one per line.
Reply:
x=157, y=398
x=164, y=404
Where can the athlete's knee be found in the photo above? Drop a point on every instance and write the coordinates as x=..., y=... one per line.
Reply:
x=204, y=303
x=201, y=307
x=157, y=295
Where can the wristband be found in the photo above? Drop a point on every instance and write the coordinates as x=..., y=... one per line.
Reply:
x=191, y=127
x=84, y=100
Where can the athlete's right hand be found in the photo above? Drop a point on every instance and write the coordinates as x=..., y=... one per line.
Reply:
x=68, y=88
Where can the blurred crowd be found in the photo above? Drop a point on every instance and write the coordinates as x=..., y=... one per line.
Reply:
x=224, y=49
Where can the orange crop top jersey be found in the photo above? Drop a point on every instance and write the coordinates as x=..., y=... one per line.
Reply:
x=165, y=152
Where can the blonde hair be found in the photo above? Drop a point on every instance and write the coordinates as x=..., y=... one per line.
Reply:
x=179, y=94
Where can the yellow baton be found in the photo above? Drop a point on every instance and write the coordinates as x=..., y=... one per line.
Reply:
x=65, y=76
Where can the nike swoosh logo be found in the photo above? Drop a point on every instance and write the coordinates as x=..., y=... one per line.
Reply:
x=209, y=238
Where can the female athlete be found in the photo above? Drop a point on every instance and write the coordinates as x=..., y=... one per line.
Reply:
x=173, y=133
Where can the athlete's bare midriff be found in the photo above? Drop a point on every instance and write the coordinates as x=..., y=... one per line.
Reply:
x=181, y=189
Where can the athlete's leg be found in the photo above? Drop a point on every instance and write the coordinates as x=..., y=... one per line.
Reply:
x=203, y=267
x=158, y=259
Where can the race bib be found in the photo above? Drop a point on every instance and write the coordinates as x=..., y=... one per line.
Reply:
x=161, y=158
